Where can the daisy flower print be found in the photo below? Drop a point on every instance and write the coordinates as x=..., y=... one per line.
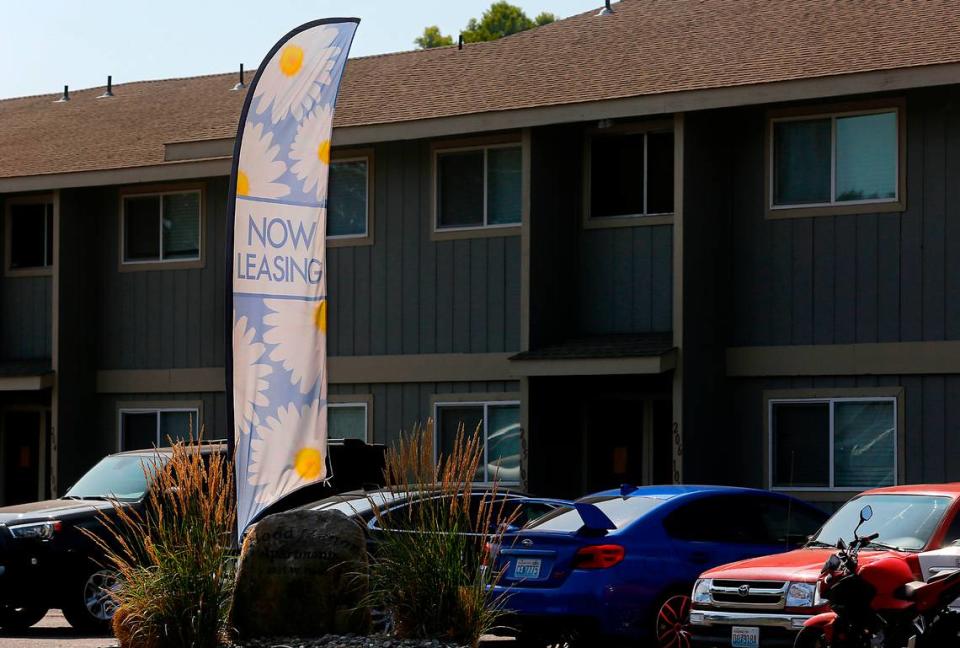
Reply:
x=277, y=467
x=310, y=152
x=250, y=381
x=293, y=326
x=294, y=78
x=259, y=167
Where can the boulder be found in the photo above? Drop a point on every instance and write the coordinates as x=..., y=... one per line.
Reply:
x=302, y=573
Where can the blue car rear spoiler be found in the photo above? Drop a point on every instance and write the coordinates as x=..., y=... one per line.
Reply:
x=593, y=518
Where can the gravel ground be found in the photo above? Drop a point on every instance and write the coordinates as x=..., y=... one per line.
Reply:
x=347, y=641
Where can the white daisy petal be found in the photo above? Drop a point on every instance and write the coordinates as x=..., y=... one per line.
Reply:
x=259, y=166
x=310, y=151
x=279, y=467
x=291, y=326
x=249, y=376
x=291, y=82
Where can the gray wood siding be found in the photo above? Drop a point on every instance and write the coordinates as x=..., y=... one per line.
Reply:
x=155, y=319
x=408, y=294
x=26, y=310
x=931, y=413
x=857, y=278
x=399, y=407
x=626, y=279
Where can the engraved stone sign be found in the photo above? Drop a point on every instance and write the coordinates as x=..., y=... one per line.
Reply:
x=301, y=573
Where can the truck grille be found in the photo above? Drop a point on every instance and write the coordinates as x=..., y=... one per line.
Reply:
x=749, y=595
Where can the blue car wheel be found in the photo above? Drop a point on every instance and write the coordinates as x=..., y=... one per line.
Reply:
x=673, y=622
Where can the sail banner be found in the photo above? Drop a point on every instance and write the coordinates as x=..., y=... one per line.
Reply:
x=276, y=295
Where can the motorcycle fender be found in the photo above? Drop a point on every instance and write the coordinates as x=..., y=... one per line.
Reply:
x=823, y=620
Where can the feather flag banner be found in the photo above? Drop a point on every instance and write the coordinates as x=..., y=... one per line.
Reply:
x=277, y=298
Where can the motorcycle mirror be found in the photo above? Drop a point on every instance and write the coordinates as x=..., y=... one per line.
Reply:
x=866, y=513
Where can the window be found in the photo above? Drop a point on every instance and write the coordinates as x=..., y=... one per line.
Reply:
x=833, y=443
x=835, y=160
x=142, y=428
x=759, y=520
x=348, y=205
x=29, y=235
x=630, y=174
x=347, y=421
x=499, y=426
x=161, y=227
x=478, y=186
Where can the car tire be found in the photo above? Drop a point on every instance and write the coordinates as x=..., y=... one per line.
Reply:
x=15, y=619
x=89, y=606
x=671, y=625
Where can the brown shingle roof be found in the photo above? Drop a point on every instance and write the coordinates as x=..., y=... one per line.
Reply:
x=646, y=47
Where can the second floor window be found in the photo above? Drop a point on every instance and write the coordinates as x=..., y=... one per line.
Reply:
x=630, y=174
x=348, y=204
x=30, y=232
x=478, y=186
x=161, y=227
x=347, y=421
x=834, y=160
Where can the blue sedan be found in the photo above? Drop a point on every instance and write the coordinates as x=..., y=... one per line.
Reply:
x=621, y=563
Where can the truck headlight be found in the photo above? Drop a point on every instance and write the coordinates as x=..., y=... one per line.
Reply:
x=801, y=595
x=36, y=530
x=701, y=591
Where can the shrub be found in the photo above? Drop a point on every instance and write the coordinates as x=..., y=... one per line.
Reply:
x=428, y=567
x=174, y=558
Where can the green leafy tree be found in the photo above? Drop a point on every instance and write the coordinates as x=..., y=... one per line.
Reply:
x=433, y=37
x=501, y=19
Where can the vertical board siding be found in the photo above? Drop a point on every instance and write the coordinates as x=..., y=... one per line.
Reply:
x=861, y=278
x=26, y=311
x=626, y=279
x=408, y=294
x=153, y=319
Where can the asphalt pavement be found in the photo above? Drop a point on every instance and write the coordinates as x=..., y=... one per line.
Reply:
x=53, y=632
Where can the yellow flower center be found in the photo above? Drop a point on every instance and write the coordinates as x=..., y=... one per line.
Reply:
x=291, y=59
x=323, y=151
x=320, y=316
x=308, y=463
x=243, y=184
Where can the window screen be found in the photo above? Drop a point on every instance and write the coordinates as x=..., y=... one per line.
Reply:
x=163, y=227
x=31, y=235
x=460, y=189
x=801, y=444
x=347, y=203
x=347, y=422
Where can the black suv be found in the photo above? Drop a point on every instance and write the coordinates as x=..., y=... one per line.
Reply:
x=47, y=561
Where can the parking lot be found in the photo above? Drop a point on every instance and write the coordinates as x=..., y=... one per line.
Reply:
x=53, y=632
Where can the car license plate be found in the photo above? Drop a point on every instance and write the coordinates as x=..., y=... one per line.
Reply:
x=526, y=568
x=742, y=637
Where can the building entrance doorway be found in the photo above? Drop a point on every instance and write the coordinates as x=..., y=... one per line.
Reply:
x=22, y=436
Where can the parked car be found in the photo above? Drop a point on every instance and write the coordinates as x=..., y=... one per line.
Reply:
x=765, y=601
x=46, y=560
x=621, y=563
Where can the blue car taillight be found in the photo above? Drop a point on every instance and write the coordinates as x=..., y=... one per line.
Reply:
x=598, y=556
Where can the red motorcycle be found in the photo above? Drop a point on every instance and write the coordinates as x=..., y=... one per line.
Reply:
x=881, y=604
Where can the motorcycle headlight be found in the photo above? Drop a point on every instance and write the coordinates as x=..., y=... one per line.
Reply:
x=801, y=595
x=701, y=591
x=35, y=530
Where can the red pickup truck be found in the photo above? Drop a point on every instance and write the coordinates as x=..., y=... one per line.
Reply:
x=765, y=601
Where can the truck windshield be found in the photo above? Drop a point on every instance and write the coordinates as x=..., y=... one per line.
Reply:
x=120, y=477
x=904, y=522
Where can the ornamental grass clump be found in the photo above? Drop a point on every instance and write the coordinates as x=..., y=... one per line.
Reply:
x=428, y=563
x=174, y=558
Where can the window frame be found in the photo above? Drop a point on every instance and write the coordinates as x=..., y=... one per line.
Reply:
x=350, y=240
x=831, y=397
x=194, y=407
x=36, y=271
x=160, y=264
x=834, y=207
x=588, y=221
x=438, y=233
x=353, y=400
x=478, y=400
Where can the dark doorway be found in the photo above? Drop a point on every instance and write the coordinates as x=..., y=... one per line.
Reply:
x=22, y=460
x=613, y=436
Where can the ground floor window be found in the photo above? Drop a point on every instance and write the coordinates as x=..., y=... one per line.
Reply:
x=347, y=421
x=499, y=426
x=146, y=427
x=842, y=443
